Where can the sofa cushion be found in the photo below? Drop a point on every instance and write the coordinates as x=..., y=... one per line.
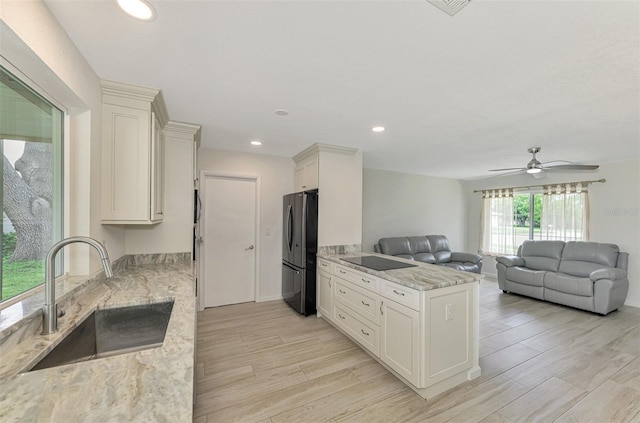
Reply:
x=582, y=258
x=397, y=246
x=440, y=248
x=542, y=255
x=525, y=276
x=569, y=284
x=421, y=249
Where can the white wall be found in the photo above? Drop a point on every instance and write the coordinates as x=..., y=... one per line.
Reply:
x=34, y=42
x=402, y=204
x=175, y=233
x=614, y=209
x=276, y=179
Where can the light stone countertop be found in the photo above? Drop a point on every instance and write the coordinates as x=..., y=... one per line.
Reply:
x=154, y=385
x=422, y=277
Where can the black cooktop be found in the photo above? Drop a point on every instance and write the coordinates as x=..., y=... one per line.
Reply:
x=378, y=263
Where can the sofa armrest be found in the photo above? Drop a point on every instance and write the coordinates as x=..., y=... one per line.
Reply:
x=466, y=257
x=608, y=273
x=510, y=261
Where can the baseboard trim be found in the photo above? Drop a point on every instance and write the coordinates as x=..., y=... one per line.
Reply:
x=632, y=303
x=269, y=298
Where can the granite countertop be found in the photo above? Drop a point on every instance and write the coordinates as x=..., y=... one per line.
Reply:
x=154, y=385
x=422, y=277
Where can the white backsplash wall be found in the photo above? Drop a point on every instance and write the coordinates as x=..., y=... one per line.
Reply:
x=614, y=210
x=402, y=204
x=276, y=179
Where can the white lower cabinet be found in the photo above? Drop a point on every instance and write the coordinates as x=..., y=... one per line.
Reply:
x=325, y=294
x=361, y=330
x=429, y=338
x=400, y=340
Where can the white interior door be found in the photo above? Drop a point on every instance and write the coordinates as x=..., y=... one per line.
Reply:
x=229, y=240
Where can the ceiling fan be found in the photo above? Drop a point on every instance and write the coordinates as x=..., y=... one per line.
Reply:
x=535, y=167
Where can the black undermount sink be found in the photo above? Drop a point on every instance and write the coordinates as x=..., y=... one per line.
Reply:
x=112, y=331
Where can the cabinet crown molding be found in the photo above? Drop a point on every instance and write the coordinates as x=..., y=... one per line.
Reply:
x=183, y=130
x=152, y=96
x=318, y=147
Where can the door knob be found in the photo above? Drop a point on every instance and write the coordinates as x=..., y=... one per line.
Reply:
x=249, y=248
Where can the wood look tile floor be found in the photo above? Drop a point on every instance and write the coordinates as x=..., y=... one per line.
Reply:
x=263, y=363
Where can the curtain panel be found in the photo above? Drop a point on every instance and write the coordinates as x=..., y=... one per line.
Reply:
x=497, y=235
x=565, y=212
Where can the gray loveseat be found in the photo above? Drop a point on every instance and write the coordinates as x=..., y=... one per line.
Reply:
x=433, y=249
x=586, y=275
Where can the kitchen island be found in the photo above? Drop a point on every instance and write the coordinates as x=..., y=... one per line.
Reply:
x=152, y=385
x=420, y=322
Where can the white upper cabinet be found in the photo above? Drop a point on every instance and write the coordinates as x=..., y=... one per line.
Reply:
x=337, y=174
x=132, y=154
x=307, y=174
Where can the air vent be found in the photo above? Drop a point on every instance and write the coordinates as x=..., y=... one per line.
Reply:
x=450, y=6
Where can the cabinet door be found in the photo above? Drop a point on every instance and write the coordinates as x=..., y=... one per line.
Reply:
x=311, y=171
x=157, y=171
x=325, y=295
x=301, y=178
x=307, y=174
x=400, y=340
x=125, y=163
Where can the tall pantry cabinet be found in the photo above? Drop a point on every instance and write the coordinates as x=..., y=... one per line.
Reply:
x=133, y=119
x=337, y=174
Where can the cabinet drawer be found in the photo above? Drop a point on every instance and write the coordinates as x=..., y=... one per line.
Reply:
x=362, y=301
x=401, y=294
x=359, y=278
x=362, y=331
x=325, y=265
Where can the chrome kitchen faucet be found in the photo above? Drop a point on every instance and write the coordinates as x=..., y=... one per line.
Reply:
x=50, y=308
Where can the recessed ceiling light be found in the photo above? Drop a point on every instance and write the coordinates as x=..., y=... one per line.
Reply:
x=139, y=9
x=378, y=129
x=281, y=112
x=256, y=142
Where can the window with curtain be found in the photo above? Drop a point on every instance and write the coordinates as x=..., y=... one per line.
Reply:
x=565, y=213
x=497, y=228
x=31, y=144
x=557, y=212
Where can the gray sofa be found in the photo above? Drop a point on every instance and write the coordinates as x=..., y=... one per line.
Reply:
x=586, y=275
x=433, y=249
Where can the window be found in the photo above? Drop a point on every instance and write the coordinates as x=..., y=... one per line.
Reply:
x=31, y=133
x=557, y=212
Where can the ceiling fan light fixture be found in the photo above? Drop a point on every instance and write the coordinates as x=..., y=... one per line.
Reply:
x=534, y=170
x=139, y=9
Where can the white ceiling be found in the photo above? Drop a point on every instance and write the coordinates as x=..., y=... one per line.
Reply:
x=458, y=95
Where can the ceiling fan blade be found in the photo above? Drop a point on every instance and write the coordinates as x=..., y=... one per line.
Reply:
x=500, y=175
x=572, y=167
x=557, y=161
x=508, y=168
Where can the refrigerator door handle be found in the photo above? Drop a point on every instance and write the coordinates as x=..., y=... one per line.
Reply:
x=290, y=228
x=292, y=268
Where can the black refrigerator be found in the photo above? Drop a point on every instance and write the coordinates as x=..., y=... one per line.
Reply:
x=299, y=248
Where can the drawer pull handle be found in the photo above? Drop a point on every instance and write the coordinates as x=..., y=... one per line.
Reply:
x=323, y=264
x=399, y=293
x=341, y=316
x=329, y=281
x=364, y=303
x=365, y=280
x=341, y=291
x=364, y=333
x=342, y=271
x=381, y=304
